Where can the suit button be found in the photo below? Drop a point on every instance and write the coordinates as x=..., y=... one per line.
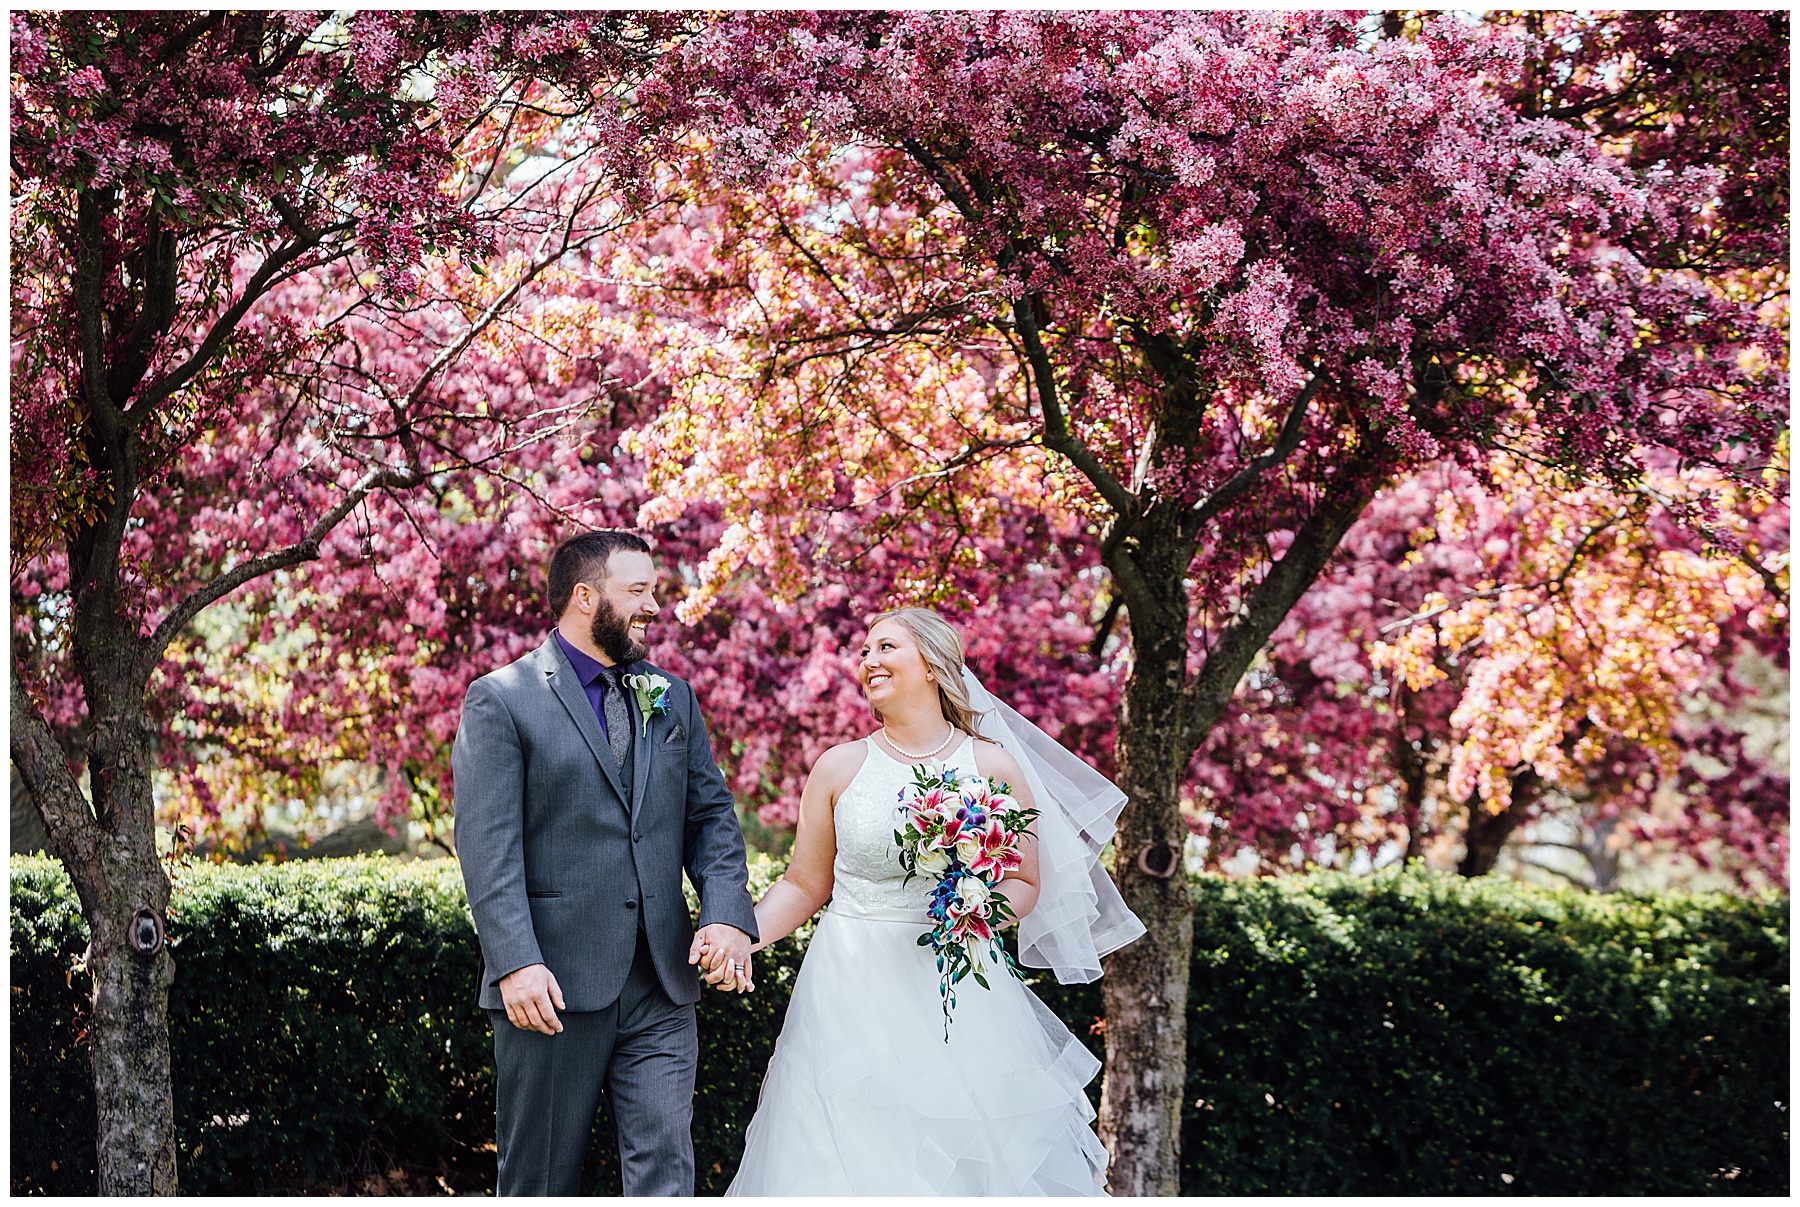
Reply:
x=631, y=905
x=637, y=838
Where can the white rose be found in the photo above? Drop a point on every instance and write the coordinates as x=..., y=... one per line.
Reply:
x=967, y=847
x=973, y=891
x=932, y=863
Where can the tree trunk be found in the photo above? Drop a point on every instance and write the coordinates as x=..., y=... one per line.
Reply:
x=1602, y=855
x=1409, y=765
x=1146, y=984
x=1487, y=832
x=1162, y=719
x=129, y=1033
x=110, y=855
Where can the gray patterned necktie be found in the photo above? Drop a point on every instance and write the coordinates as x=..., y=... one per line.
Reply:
x=618, y=717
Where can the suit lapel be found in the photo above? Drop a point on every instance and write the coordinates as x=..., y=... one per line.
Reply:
x=563, y=681
x=640, y=754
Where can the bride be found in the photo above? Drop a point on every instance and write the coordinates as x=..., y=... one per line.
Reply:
x=864, y=1094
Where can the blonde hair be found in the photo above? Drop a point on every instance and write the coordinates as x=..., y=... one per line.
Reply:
x=942, y=651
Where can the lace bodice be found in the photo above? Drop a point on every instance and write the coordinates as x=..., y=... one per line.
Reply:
x=866, y=873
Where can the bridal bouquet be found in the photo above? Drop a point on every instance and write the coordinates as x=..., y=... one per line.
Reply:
x=966, y=832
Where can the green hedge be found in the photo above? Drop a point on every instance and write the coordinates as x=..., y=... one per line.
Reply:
x=1401, y=1033
x=1414, y=1035
x=324, y=1031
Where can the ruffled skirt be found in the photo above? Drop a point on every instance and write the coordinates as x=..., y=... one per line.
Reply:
x=863, y=1095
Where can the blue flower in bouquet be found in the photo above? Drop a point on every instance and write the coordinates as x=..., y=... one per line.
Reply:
x=943, y=895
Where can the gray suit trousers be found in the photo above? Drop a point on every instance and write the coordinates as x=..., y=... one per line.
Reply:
x=643, y=1050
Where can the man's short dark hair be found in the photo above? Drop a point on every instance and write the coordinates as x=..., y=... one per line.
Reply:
x=582, y=559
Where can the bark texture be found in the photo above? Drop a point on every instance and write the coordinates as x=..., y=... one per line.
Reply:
x=122, y=885
x=1603, y=855
x=130, y=1040
x=1145, y=989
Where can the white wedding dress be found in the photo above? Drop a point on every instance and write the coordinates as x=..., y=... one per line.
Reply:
x=863, y=1095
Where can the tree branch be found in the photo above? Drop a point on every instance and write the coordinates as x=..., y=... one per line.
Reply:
x=934, y=167
x=481, y=323
x=1129, y=579
x=178, y=45
x=157, y=311
x=1551, y=842
x=90, y=269
x=1103, y=630
x=1561, y=580
x=968, y=456
x=94, y=550
x=1771, y=579
x=1575, y=880
x=221, y=330
x=825, y=273
x=304, y=550
x=1057, y=435
x=283, y=56
x=68, y=818
x=1292, y=428
x=1490, y=593
x=1269, y=603
x=378, y=478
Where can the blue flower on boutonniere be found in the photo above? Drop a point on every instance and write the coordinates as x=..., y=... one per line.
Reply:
x=652, y=693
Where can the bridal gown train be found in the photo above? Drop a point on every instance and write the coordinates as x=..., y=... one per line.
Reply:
x=863, y=1095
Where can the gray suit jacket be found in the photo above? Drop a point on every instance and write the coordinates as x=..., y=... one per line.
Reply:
x=560, y=857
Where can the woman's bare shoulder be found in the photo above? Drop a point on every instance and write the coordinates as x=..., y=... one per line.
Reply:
x=838, y=766
x=994, y=762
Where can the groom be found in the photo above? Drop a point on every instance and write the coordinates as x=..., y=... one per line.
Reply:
x=579, y=801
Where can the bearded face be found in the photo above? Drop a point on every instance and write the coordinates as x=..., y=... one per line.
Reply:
x=618, y=635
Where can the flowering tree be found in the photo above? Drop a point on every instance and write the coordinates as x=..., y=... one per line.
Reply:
x=365, y=656
x=364, y=653
x=1646, y=83
x=240, y=316
x=1695, y=94
x=1172, y=295
x=1200, y=283
x=1485, y=650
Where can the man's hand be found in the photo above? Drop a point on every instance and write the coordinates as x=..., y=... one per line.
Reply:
x=723, y=953
x=532, y=999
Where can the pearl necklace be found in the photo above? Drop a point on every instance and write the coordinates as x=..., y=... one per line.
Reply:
x=942, y=746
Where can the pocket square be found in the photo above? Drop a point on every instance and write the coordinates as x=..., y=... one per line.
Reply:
x=677, y=734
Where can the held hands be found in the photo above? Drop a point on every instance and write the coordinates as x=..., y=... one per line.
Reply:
x=532, y=996
x=532, y=999
x=723, y=954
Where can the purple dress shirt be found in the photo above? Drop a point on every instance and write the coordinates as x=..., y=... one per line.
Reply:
x=593, y=676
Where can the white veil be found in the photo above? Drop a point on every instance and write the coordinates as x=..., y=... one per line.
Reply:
x=1079, y=915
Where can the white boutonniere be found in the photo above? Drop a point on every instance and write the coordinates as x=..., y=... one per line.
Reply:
x=652, y=693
